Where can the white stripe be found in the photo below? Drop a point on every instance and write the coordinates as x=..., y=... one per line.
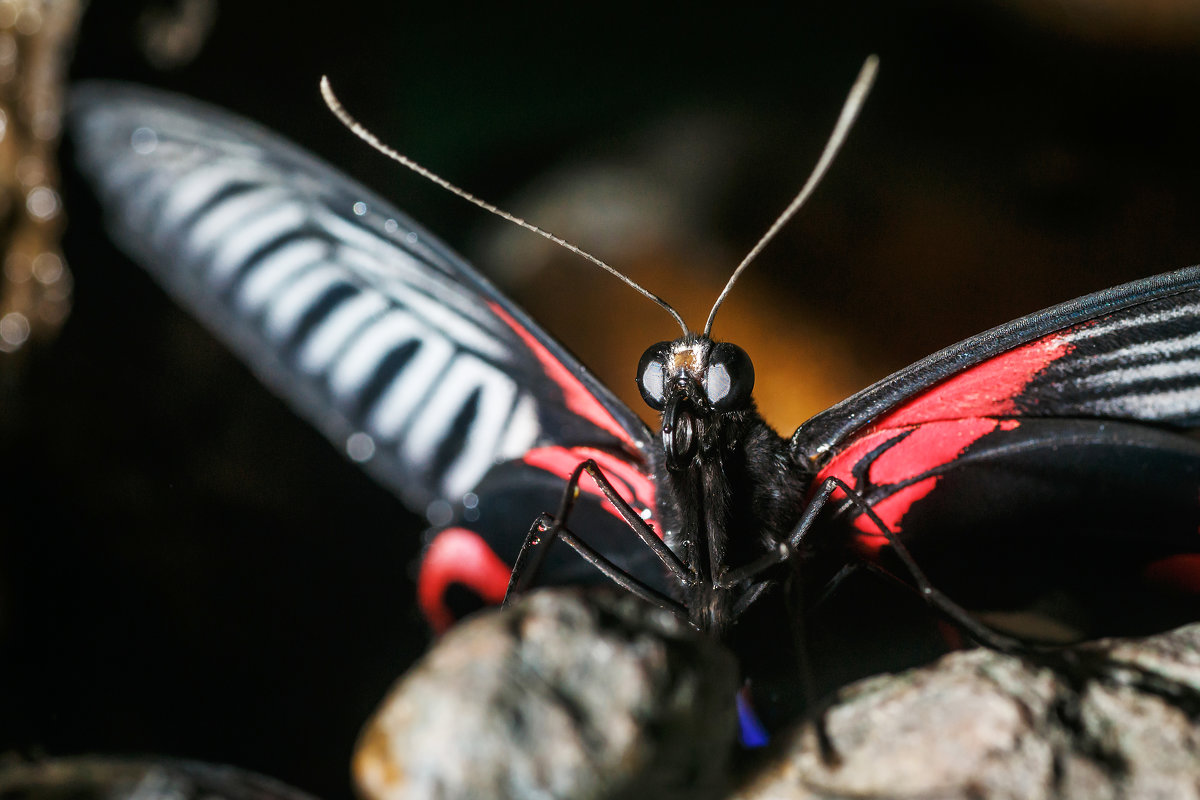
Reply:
x=440, y=300
x=380, y=259
x=522, y=430
x=385, y=264
x=1145, y=372
x=369, y=348
x=382, y=249
x=460, y=328
x=1158, y=348
x=437, y=295
x=1174, y=404
x=190, y=192
x=288, y=307
x=227, y=217
x=410, y=386
x=326, y=341
x=1104, y=328
x=275, y=269
x=243, y=243
x=434, y=423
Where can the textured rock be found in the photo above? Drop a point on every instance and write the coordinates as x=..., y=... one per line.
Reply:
x=600, y=697
x=567, y=696
x=562, y=695
x=984, y=725
x=106, y=778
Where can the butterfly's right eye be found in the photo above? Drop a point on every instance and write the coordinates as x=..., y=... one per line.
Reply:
x=652, y=375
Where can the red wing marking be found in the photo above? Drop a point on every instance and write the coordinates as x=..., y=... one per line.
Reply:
x=457, y=555
x=891, y=510
x=929, y=445
x=634, y=486
x=1178, y=572
x=989, y=389
x=575, y=394
x=952, y=636
x=843, y=463
x=920, y=449
x=933, y=429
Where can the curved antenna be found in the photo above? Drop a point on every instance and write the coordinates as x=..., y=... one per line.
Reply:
x=854, y=103
x=361, y=132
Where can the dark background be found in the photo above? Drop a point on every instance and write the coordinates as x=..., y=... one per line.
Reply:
x=186, y=569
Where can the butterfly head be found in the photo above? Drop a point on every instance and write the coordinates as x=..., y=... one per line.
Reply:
x=694, y=381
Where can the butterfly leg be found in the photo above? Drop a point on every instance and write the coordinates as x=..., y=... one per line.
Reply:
x=1078, y=667
x=547, y=528
x=783, y=551
x=631, y=517
x=930, y=593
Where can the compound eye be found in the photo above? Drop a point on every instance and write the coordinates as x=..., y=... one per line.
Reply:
x=652, y=375
x=729, y=378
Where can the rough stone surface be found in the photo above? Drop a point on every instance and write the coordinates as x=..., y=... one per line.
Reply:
x=573, y=696
x=562, y=695
x=108, y=778
x=985, y=725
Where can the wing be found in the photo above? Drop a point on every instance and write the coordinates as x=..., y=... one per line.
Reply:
x=1015, y=465
x=366, y=323
x=372, y=329
x=1130, y=352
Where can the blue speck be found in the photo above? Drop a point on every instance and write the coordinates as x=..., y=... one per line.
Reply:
x=751, y=732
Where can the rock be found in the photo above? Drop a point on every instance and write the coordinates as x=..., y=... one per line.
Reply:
x=564, y=694
x=985, y=725
x=108, y=778
x=580, y=696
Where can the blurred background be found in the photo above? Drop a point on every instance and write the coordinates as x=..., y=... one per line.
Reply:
x=187, y=569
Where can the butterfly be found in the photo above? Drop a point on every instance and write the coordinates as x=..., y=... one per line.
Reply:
x=1043, y=458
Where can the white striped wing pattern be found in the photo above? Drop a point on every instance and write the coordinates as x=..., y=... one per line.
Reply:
x=1131, y=352
x=372, y=329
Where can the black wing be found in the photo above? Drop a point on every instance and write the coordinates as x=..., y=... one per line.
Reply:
x=375, y=331
x=1130, y=352
x=1046, y=457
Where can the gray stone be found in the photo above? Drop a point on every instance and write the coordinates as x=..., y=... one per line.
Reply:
x=111, y=778
x=563, y=695
x=984, y=725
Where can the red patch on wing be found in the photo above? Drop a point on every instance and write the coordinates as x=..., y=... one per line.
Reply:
x=925, y=447
x=989, y=389
x=575, y=394
x=929, y=445
x=952, y=636
x=1180, y=573
x=458, y=555
x=633, y=485
x=937, y=426
x=891, y=510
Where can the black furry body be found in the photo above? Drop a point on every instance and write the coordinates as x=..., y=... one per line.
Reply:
x=737, y=500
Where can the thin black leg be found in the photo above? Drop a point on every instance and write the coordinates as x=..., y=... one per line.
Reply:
x=639, y=525
x=530, y=556
x=930, y=593
x=540, y=537
x=934, y=597
x=546, y=529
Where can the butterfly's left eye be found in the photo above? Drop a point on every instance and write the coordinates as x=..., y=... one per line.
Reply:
x=729, y=377
x=652, y=375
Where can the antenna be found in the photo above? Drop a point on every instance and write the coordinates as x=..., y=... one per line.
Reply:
x=854, y=103
x=361, y=132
